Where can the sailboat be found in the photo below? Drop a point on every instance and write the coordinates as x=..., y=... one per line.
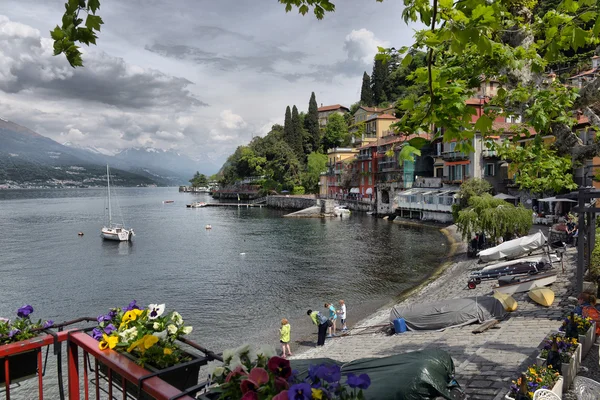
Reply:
x=114, y=231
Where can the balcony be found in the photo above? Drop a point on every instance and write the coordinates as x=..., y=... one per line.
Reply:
x=454, y=179
x=454, y=156
x=363, y=157
x=489, y=154
x=386, y=166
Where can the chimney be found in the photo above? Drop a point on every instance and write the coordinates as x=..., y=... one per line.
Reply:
x=595, y=62
x=321, y=104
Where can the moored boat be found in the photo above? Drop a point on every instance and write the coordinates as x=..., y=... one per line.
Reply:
x=515, y=284
x=514, y=248
x=196, y=204
x=341, y=211
x=168, y=201
x=114, y=231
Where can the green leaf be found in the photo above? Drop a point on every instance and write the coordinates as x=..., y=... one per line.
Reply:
x=596, y=29
x=93, y=5
x=484, y=45
x=57, y=33
x=407, y=60
x=579, y=38
x=71, y=6
x=418, y=142
x=93, y=22
x=408, y=153
x=484, y=124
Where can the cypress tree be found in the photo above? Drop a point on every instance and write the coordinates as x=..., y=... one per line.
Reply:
x=311, y=123
x=287, y=127
x=297, y=133
x=366, y=94
x=378, y=78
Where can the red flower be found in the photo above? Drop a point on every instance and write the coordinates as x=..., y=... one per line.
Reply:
x=251, y=396
x=257, y=377
x=281, y=384
x=282, y=396
x=280, y=367
x=238, y=371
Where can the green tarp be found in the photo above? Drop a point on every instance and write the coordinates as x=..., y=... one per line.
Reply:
x=418, y=375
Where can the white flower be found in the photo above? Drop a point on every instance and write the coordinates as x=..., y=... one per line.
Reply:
x=156, y=326
x=187, y=329
x=161, y=335
x=214, y=368
x=228, y=355
x=243, y=350
x=235, y=362
x=155, y=310
x=128, y=334
x=218, y=371
x=267, y=351
x=172, y=329
x=177, y=318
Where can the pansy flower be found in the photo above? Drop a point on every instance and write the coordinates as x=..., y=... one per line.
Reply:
x=155, y=310
x=24, y=311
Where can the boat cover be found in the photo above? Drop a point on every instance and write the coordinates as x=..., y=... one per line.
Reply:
x=514, y=248
x=426, y=374
x=448, y=313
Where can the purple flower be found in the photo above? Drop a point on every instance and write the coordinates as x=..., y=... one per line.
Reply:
x=362, y=381
x=329, y=373
x=24, y=311
x=110, y=328
x=112, y=314
x=132, y=306
x=13, y=333
x=48, y=324
x=97, y=334
x=300, y=391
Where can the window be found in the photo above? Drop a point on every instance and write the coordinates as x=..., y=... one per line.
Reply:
x=489, y=170
x=362, y=180
x=370, y=180
x=369, y=167
x=362, y=167
x=438, y=148
x=452, y=146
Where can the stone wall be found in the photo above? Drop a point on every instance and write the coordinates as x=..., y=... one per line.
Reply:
x=357, y=205
x=291, y=202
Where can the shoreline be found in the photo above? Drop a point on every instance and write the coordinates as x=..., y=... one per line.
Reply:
x=374, y=313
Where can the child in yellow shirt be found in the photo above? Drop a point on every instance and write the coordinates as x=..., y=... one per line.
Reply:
x=284, y=337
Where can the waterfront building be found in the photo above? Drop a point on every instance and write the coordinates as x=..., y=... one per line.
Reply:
x=339, y=171
x=326, y=111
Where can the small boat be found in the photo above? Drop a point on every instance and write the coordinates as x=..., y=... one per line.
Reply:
x=208, y=226
x=517, y=284
x=168, y=201
x=514, y=268
x=341, y=211
x=114, y=231
x=537, y=260
x=507, y=301
x=543, y=296
x=80, y=233
x=514, y=248
x=196, y=204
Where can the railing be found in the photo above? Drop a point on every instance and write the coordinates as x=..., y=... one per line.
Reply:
x=454, y=155
x=489, y=153
x=364, y=157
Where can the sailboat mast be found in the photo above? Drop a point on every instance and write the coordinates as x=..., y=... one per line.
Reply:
x=109, y=210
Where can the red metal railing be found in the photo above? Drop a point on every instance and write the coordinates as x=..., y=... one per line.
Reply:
x=118, y=372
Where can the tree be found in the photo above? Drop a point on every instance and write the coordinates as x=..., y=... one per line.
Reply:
x=297, y=134
x=378, y=78
x=470, y=188
x=336, y=132
x=316, y=164
x=199, y=180
x=495, y=217
x=288, y=128
x=311, y=123
x=366, y=95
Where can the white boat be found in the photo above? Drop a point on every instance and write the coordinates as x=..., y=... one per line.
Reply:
x=514, y=248
x=516, y=284
x=341, y=211
x=534, y=260
x=114, y=231
x=196, y=204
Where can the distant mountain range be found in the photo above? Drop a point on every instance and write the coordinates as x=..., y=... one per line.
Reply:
x=28, y=158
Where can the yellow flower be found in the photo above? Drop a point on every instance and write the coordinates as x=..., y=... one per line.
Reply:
x=108, y=342
x=143, y=344
x=167, y=351
x=149, y=341
x=317, y=394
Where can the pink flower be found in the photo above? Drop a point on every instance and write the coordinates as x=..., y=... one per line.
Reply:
x=281, y=384
x=238, y=371
x=257, y=377
x=282, y=396
x=250, y=396
x=280, y=367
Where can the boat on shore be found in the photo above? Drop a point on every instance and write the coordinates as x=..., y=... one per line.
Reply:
x=196, y=204
x=516, y=284
x=525, y=266
x=114, y=231
x=514, y=248
x=341, y=211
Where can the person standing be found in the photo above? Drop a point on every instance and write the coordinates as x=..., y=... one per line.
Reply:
x=342, y=313
x=321, y=322
x=284, y=337
x=332, y=318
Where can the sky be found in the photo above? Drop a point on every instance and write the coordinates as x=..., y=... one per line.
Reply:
x=198, y=76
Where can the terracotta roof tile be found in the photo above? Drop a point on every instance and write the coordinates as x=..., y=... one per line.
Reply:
x=332, y=108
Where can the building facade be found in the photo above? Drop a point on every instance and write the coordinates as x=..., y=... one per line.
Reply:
x=326, y=111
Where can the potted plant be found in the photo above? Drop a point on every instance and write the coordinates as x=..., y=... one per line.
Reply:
x=22, y=365
x=537, y=377
x=148, y=336
x=585, y=328
x=256, y=374
x=569, y=351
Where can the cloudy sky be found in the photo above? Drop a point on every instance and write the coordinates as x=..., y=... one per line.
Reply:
x=199, y=76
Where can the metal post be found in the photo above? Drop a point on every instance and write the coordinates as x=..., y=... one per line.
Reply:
x=73, y=368
x=580, y=240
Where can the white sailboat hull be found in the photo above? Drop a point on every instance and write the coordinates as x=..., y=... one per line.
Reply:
x=117, y=234
x=534, y=282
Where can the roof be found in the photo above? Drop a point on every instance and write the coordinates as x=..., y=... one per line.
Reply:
x=475, y=101
x=584, y=73
x=380, y=116
x=507, y=126
x=332, y=108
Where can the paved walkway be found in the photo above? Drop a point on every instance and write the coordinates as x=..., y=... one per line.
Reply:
x=486, y=362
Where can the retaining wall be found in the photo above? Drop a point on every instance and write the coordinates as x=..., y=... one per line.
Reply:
x=291, y=202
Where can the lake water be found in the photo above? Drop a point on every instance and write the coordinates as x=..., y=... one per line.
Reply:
x=233, y=283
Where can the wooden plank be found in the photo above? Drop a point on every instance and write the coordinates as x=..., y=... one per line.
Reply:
x=485, y=326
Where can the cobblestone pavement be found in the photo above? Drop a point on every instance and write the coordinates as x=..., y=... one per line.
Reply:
x=485, y=362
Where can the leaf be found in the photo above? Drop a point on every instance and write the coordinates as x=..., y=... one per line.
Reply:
x=579, y=38
x=93, y=5
x=408, y=153
x=93, y=22
x=484, y=45
x=407, y=60
x=484, y=124
x=418, y=142
x=57, y=33
x=596, y=29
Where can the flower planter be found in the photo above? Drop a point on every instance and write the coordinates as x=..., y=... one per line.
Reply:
x=568, y=371
x=180, y=378
x=557, y=388
x=22, y=366
x=587, y=340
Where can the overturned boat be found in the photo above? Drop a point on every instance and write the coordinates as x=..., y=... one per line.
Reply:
x=524, y=266
x=514, y=248
x=518, y=284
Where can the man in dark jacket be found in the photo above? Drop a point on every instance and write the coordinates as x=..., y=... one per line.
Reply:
x=321, y=322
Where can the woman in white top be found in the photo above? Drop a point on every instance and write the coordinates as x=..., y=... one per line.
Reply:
x=342, y=313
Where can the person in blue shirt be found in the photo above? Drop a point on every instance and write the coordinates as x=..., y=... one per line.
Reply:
x=583, y=300
x=332, y=318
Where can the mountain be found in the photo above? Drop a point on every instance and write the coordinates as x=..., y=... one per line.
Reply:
x=30, y=159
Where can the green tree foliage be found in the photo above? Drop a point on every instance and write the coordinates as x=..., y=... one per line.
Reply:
x=288, y=127
x=311, y=123
x=72, y=31
x=495, y=217
x=315, y=164
x=470, y=188
x=366, y=94
x=297, y=135
x=336, y=132
x=537, y=168
x=244, y=162
x=378, y=78
x=199, y=180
